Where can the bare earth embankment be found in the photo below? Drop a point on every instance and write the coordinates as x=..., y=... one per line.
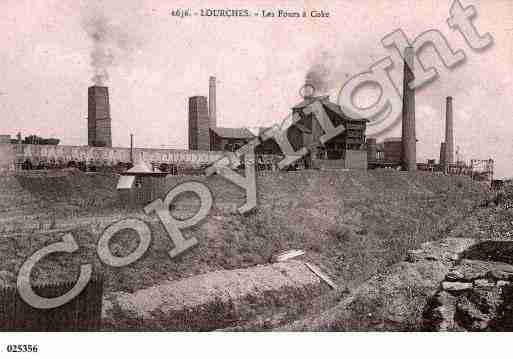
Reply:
x=353, y=225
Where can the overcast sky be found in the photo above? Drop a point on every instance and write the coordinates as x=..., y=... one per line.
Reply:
x=156, y=61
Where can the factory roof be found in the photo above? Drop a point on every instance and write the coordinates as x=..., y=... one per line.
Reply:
x=228, y=132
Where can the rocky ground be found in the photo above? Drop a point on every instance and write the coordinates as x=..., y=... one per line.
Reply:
x=460, y=283
x=477, y=293
x=395, y=299
x=475, y=296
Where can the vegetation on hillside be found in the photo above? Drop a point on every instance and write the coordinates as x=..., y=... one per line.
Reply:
x=351, y=224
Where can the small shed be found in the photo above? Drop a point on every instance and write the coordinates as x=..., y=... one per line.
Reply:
x=140, y=185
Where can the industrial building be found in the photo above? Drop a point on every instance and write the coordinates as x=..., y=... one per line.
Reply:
x=204, y=135
x=229, y=139
x=347, y=150
x=393, y=149
x=202, y=130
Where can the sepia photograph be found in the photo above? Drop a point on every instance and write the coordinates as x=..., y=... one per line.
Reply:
x=276, y=172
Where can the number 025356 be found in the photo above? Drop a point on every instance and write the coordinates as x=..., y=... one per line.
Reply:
x=22, y=348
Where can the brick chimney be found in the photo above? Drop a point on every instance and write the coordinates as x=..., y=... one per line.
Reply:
x=99, y=131
x=449, y=132
x=409, y=139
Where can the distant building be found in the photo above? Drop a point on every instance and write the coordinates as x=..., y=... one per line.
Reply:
x=5, y=139
x=229, y=139
x=35, y=140
x=393, y=148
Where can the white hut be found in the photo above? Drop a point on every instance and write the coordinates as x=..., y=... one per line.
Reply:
x=140, y=184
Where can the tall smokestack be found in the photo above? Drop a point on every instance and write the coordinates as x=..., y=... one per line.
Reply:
x=212, y=102
x=99, y=131
x=409, y=140
x=442, y=154
x=449, y=132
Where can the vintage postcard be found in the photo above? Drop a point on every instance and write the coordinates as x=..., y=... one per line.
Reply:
x=266, y=166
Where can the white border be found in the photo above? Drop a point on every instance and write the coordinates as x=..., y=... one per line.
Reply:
x=258, y=345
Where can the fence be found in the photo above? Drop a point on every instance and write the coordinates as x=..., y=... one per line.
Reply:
x=83, y=313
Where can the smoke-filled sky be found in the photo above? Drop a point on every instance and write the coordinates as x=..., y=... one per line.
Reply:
x=112, y=43
x=51, y=51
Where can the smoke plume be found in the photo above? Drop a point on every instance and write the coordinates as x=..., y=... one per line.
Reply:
x=319, y=77
x=325, y=73
x=111, y=44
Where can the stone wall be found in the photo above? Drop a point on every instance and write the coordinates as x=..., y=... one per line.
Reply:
x=441, y=286
x=476, y=295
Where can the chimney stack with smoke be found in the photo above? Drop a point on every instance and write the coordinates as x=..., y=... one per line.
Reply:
x=449, y=132
x=98, y=117
x=212, y=102
x=409, y=139
x=112, y=44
